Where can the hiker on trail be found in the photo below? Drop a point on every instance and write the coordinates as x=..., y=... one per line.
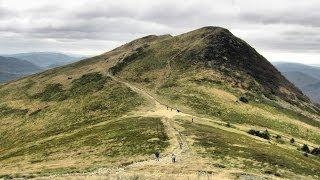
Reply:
x=173, y=156
x=192, y=119
x=157, y=154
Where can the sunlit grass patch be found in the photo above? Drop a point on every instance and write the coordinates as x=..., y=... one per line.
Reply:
x=118, y=139
x=220, y=144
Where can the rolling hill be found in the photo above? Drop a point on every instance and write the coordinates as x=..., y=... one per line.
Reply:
x=313, y=71
x=206, y=96
x=12, y=68
x=5, y=76
x=306, y=78
x=299, y=78
x=313, y=91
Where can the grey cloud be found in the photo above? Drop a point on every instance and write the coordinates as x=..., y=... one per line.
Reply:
x=306, y=17
x=120, y=21
x=5, y=13
x=292, y=40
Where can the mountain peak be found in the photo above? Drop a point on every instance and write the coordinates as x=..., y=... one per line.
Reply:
x=205, y=91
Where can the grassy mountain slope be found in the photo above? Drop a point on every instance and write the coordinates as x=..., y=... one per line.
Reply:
x=177, y=94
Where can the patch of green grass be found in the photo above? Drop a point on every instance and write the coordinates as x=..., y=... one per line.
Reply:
x=16, y=176
x=52, y=92
x=277, y=109
x=205, y=104
x=88, y=83
x=127, y=60
x=225, y=145
x=123, y=138
x=113, y=101
x=9, y=111
x=4, y=92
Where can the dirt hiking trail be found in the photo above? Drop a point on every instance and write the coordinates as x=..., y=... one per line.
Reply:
x=189, y=165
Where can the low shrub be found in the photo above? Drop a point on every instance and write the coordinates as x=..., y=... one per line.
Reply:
x=305, y=148
x=316, y=151
x=292, y=140
x=263, y=134
x=244, y=99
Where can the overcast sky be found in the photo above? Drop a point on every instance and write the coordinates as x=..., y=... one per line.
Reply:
x=281, y=30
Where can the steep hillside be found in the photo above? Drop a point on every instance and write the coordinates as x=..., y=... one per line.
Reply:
x=12, y=68
x=205, y=96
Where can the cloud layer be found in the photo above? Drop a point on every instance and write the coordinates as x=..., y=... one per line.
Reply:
x=94, y=26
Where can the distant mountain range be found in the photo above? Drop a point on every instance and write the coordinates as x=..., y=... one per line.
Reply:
x=14, y=66
x=305, y=77
x=47, y=60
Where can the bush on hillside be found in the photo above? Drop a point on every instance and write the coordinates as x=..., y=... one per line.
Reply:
x=292, y=140
x=244, y=99
x=305, y=148
x=263, y=134
x=316, y=151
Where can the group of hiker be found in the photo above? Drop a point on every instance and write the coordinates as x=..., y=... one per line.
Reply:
x=172, y=109
x=173, y=156
x=177, y=111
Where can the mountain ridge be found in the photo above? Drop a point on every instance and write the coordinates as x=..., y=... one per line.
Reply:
x=13, y=68
x=195, y=95
x=303, y=76
x=46, y=59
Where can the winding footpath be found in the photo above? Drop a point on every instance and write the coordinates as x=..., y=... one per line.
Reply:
x=189, y=165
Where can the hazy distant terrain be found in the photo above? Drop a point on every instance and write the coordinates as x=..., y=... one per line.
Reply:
x=12, y=68
x=47, y=60
x=305, y=77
